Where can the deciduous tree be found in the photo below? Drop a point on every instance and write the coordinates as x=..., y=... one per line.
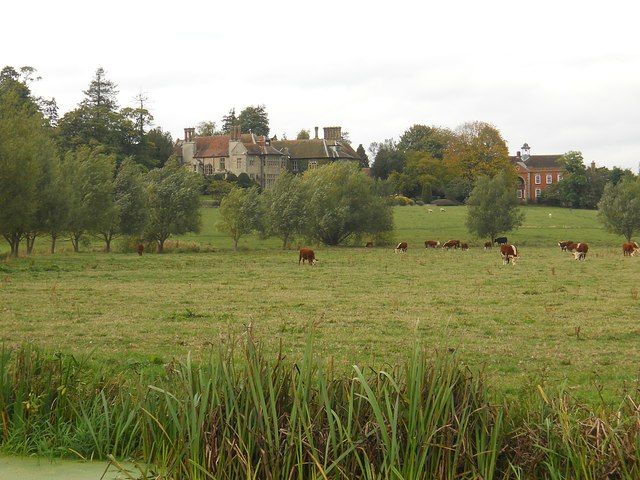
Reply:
x=240, y=213
x=254, y=119
x=619, y=207
x=285, y=208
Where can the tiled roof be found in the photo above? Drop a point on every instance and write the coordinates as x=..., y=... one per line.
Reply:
x=316, y=148
x=538, y=161
x=218, y=146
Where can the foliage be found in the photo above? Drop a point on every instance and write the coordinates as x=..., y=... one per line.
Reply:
x=400, y=200
x=284, y=207
x=458, y=189
x=387, y=159
x=229, y=121
x=156, y=149
x=341, y=203
x=245, y=181
x=430, y=140
x=254, y=119
x=303, y=135
x=207, y=129
x=362, y=155
x=421, y=177
x=619, y=207
x=493, y=207
x=174, y=201
x=240, y=213
x=218, y=189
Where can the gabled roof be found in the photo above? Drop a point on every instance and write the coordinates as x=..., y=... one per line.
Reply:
x=218, y=146
x=537, y=161
x=316, y=148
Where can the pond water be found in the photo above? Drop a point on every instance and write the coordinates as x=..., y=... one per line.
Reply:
x=27, y=468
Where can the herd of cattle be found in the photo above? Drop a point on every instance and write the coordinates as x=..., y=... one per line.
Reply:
x=508, y=252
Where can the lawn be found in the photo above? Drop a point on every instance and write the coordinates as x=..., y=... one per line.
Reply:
x=368, y=306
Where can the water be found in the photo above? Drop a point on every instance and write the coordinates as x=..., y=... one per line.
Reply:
x=27, y=468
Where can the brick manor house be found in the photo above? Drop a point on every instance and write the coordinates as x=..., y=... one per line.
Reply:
x=260, y=157
x=535, y=173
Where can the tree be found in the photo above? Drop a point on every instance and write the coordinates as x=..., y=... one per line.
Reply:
x=174, y=203
x=207, y=129
x=284, y=206
x=54, y=203
x=341, y=204
x=255, y=120
x=218, y=189
x=493, y=207
x=387, y=159
x=24, y=140
x=102, y=93
x=303, y=135
x=245, y=181
x=619, y=207
x=158, y=147
x=422, y=138
x=128, y=213
x=617, y=174
x=239, y=213
x=229, y=121
x=477, y=148
x=92, y=207
x=362, y=155
x=421, y=177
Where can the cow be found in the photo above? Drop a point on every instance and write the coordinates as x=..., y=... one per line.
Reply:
x=140, y=249
x=629, y=249
x=563, y=244
x=571, y=247
x=308, y=255
x=464, y=247
x=451, y=244
x=500, y=240
x=488, y=245
x=369, y=245
x=581, y=251
x=509, y=254
x=402, y=247
x=431, y=244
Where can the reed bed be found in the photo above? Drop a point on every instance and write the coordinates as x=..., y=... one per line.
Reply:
x=240, y=415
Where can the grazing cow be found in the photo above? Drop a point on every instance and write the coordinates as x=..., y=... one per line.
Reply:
x=402, y=247
x=140, y=249
x=431, y=244
x=571, y=247
x=630, y=249
x=369, y=245
x=451, y=244
x=564, y=244
x=509, y=254
x=464, y=247
x=488, y=245
x=581, y=251
x=308, y=255
x=500, y=240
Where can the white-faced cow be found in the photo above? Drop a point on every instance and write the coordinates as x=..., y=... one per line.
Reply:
x=308, y=255
x=451, y=244
x=488, y=245
x=509, y=254
x=630, y=249
x=581, y=251
x=402, y=247
x=464, y=247
x=431, y=244
x=564, y=244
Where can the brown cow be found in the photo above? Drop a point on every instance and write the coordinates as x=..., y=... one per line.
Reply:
x=570, y=247
x=308, y=255
x=629, y=249
x=564, y=244
x=451, y=244
x=402, y=247
x=488, y=245
x=581, y=251
x=464, y=247
x=509, y=254
x=140, y=249
x=431, y=244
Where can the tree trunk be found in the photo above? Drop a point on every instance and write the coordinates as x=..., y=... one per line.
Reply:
x=13, y=240
x=31, y=240
x=285, y=242
x=160, y=246
x=53, y=243
x=235, y=244
x=75, y=241
x=107, y=242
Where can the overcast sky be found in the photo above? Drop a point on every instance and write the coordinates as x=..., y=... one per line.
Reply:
x=560, y=75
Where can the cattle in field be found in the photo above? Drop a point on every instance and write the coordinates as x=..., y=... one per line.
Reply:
x=464, y=247
x=451, y=244
x=140, y=249
x=488, y=245
x=401, y=247
x=369, y=245
x=630, y=249
x=308, y=255
x=581, y=251
x=500, y=240
x=571, y=247
x=564, y=244
x=431, y=244
x=509, y=254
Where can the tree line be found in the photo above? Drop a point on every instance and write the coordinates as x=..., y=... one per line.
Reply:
x=97, y=171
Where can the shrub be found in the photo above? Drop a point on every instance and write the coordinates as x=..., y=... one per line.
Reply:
x=445, y=202
x=400, y=200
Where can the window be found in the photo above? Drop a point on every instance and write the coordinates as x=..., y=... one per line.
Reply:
x=195, y=168
x=559, y=176
x=519, y=193
x=222, y=167
x=312, y=164
x=251, y=162
x=208, y=169
x=538, y=179
x=538, y=193
x=294, y=165
x=549, y=178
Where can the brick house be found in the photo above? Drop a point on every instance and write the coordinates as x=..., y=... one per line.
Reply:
x=535, y=173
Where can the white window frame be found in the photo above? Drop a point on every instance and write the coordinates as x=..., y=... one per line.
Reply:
x=520, y=194
x=549, y=178
x=538, y=179
x=538, y=192
x=559, y=176
x=312, y=164
x=294, y=165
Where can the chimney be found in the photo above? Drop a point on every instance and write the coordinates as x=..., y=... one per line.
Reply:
x=261, y=140
x=333, y=133
x=316, y=133
x=518, y=154
x=235, y=133
x=593, y=166
x=189, y=133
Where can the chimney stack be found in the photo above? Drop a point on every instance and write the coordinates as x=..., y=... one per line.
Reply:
x=518, y=154
x=593, y=166
x=333, y=133
x=316, y=133
x=189, y=133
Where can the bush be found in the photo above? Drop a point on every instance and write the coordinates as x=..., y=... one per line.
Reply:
x=400, y=200
x=445, y=202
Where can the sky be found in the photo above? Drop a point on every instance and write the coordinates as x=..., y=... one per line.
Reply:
x=559, y=75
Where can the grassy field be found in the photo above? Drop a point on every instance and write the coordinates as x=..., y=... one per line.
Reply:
x=368, y=306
